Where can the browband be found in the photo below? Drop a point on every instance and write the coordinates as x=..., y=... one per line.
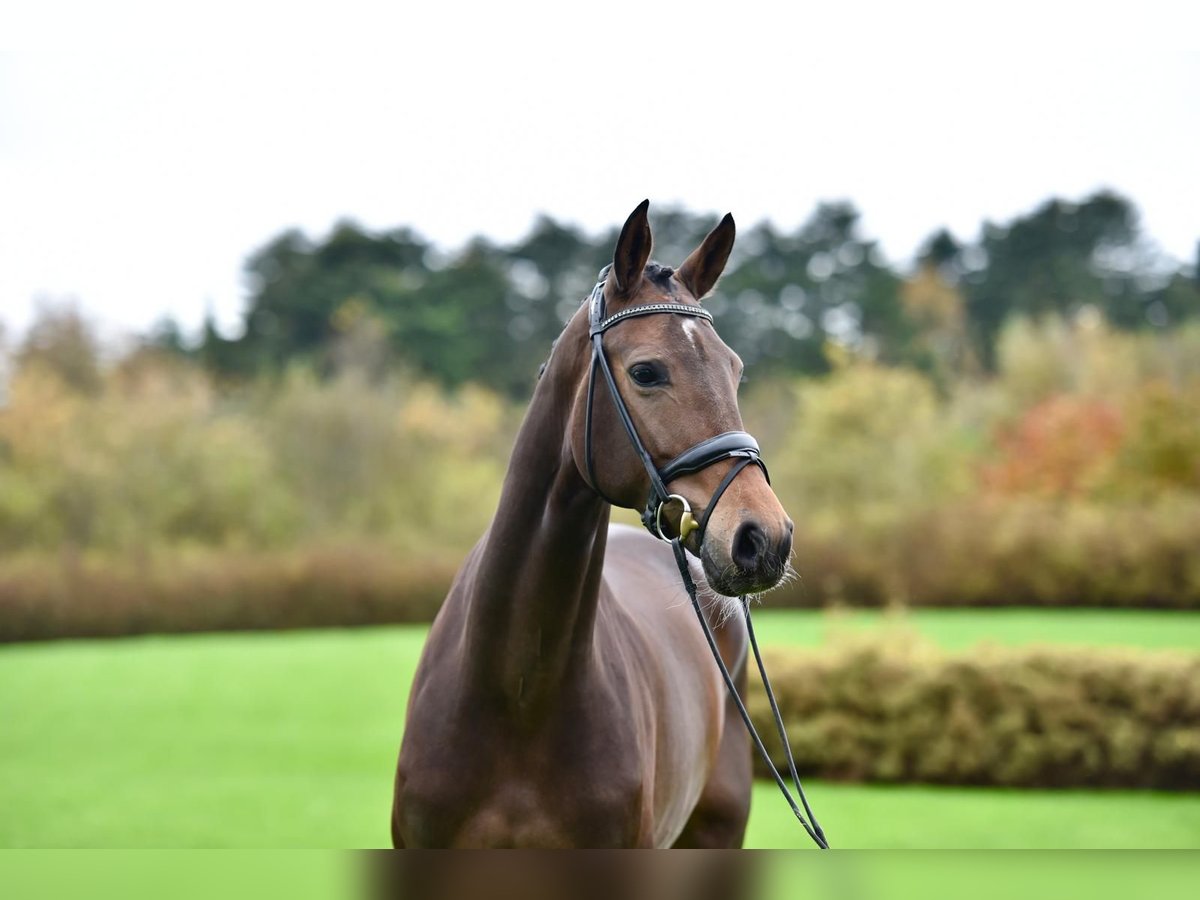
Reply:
x=649, y=309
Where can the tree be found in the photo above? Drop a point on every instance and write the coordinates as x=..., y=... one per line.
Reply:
x=1055, y=260
x=788, y=300
x=62, y=342
x=298, y=288
x=455, y=326
x=791, y=294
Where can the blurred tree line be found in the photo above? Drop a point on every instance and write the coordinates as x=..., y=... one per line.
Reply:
x=141, y=489
x=488, y=313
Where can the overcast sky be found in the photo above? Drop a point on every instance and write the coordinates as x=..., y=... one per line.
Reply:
x=138, y=183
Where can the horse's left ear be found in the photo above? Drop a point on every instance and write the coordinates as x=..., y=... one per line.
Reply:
x=700, y=271
x=633, y=250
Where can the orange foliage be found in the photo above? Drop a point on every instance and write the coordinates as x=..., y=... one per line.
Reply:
x=1062, y=447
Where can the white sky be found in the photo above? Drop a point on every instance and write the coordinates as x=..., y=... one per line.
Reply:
x=138, y=183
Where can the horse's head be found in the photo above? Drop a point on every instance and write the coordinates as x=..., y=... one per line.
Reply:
x=678, y=380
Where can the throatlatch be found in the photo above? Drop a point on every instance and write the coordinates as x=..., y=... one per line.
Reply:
x=730, y=445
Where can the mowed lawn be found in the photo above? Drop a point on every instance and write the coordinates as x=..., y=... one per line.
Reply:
x=955, y=629
x=289, y=740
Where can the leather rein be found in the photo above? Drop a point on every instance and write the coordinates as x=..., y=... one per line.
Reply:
x=736, y=445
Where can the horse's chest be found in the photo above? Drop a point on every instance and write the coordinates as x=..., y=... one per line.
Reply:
x=527, y=815
x=522, y=810
x=503, y=790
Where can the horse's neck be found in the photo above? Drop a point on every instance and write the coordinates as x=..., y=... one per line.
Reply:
x=536, y=583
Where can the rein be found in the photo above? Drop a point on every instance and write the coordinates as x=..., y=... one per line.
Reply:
x=730, y=445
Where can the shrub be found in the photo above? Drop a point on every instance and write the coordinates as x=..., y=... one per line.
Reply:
x=864, y=444
x=1161, y=450
x=1062, y=447
x=151, y=461
x=1051, y=355
x=161, y=459
x=323, y=586
x=900, y=711
x=1020, y=552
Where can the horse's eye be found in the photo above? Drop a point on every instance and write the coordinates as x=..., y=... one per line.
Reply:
x=645, y=375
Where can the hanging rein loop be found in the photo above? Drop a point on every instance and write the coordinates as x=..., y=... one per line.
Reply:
x=736, y=445
x=814, y=830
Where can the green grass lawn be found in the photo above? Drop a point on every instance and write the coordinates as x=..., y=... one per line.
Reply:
x=955, y=629
x=289, y=740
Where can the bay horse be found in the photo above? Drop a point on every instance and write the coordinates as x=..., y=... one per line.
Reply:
x=566, y=696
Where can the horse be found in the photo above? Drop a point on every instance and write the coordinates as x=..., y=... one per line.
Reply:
x=565, y=696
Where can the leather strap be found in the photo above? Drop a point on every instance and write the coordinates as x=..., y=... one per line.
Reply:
x=714, y=449
x=814, y=830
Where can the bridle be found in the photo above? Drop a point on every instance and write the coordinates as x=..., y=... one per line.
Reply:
x=730, y=444
x=736, y=445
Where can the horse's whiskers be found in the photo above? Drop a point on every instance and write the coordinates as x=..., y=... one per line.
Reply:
x=710, y=600
x=790, y=575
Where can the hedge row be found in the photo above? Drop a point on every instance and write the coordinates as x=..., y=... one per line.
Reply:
x=1028, y=553
x=1010, y=554
x=43, y=598
x=869, y=710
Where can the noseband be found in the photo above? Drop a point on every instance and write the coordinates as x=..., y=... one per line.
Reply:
x=728, y=445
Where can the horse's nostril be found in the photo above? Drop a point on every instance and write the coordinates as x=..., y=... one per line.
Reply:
x=749, y=545
x=785, y=545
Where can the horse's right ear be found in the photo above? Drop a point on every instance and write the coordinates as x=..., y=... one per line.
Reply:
x=700, y=271
x=632, y=253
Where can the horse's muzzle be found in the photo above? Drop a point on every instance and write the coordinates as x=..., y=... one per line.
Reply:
x=754, y=561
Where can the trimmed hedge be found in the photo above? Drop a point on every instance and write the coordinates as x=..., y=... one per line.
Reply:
x=43, y=598
x=1005, y=554
x=1011, y=553
x=898, y=711
x=1029, y=553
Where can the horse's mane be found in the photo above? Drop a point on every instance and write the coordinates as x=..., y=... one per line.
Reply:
x=659, y=274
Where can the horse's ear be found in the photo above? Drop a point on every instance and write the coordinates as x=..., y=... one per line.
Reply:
x=700, y=271
x=633, y=250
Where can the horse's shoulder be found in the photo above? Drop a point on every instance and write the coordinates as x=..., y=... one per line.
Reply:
x=634, y=546
x=640, y=568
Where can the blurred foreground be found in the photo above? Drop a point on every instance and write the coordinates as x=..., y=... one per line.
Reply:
x=533, y=875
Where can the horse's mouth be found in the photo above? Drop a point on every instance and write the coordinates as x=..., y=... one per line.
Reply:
x=731, y=581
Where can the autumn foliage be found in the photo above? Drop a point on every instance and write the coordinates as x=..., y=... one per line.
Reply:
x=149, y=497
x=1064, y=447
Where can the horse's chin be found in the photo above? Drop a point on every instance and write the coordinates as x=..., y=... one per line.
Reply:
x=727, y=579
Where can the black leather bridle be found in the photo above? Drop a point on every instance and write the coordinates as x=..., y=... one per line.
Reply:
x=729, y=445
